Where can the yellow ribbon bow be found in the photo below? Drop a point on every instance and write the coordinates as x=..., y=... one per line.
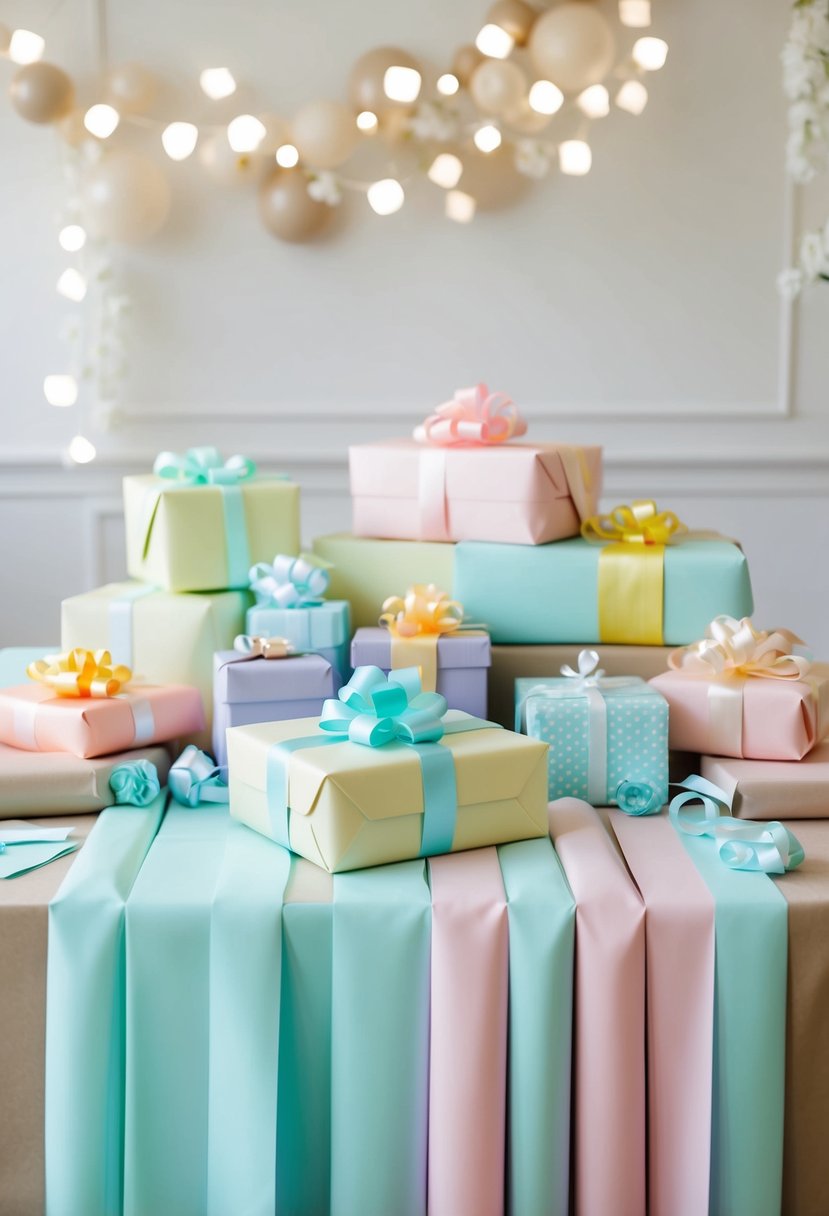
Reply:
x=424, y=609
x=80, y=673
x=639, y=524
x=736, y=648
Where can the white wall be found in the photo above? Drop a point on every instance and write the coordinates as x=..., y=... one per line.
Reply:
x=635, y=307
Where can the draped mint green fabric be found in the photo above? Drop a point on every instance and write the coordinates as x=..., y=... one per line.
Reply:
x=380, y=1041
x=85, y=1015
x=542, y=918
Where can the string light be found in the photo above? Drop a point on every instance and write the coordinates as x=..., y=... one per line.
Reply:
x=245, y=133
x=60, y=390
x=494, y=42
x=101, y=120
x=217, y=83
x=445, y=170
x=366, y=121
x=179, y=140
x=287, y=156
x=545, y=97
x=72, y=238
x=575, y=157
x=26, y=47
x=386, y=196
x=633, y=97
x=402, y=84
x=448, y=84
x=650, y=53
x=594, y=102
x=72, y=285
x=81, y=451
x=487, y=138
x=460, y=207
x=636, y=14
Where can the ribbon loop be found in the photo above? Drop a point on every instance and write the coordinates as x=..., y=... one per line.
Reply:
x=203, y=466
x=589, y=671
x=373, y=710
x=736, y=648
x=640, y=523
x=251, y=647
x=288, y=582
x=80, y=673
x=425, y=609
x=474, y=416
x=195, y=778
x=742, y=844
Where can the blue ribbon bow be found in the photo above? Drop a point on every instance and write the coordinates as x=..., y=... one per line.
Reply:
x=135, y=783
x=374, y=710
x=196, y=778
x=203, y=467
x=742, y=844
x=288, y=582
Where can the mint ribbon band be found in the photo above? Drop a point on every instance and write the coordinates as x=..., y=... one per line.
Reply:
x=742, y=844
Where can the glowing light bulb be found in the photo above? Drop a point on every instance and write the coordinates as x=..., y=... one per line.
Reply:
x=494, y=42
x=545, y=97
x=575, y=157
x=594, y=102
x=366, y=121
x=633, y=97
x=386, y=196
x=487, y=138
x=245, y=133
x=635, y=14
x=445, y=170
x=448, y=84
x=60, y=390
x=72, y=238
x=25, y=47
x=179, y=140
x=650, y=53
x=81, y=451
x=287, y=156
x=217, y=83
x=72, y=285
x=402, y=84
x=101, y=120
x=460, y=207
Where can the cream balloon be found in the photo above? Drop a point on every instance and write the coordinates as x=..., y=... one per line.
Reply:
x=131, y=88
x=324, y=133
x=573, y=46
x=467, y=58
x=497, y=86
x=125, y=198
x=225, y=166
x=514, y=16
x=365, y=85
x=42, y=93
x=287, y=209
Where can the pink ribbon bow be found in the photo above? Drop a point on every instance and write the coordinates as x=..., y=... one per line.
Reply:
x=473, y=416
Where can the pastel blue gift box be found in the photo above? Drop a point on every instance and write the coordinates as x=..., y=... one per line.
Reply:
x=324, y=627
x=631, y=733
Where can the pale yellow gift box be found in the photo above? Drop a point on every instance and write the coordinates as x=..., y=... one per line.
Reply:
x=353, y=806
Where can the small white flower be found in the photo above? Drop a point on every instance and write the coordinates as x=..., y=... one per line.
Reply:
x=790, y=283
x=434, y=120
x=533, y=158
x=325, y=187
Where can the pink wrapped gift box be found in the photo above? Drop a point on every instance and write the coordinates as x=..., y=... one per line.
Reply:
x=747, y=717
x=519, y=493
x=33, y=719
x=773, y=789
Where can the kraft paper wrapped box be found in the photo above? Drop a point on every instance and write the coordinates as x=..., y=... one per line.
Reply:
x=58, y=783
x=559, y=594
x=519, y=493
x=462, y=660
x=205, y=537
x=773, y=789
x=248, y=690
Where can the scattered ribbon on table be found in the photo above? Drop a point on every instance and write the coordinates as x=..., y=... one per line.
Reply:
x=742, y=844
x=415, y=622
x=80, y=673
x=135, y=783
x=250, y=647
x=288, y=582
x=473, y=416
x=196, y=778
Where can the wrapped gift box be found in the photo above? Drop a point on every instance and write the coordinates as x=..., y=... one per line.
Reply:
x=747, y=717
x=33, y=718
x=163, y=638
x=613, y=731
x=773, y=789
x=57, y=783
x=366, y=572
x=353, y=806
x=462, y=663
x=267, y=690
x=519, y=493
x=206, y=537
x=324, y=628
x=550, y=593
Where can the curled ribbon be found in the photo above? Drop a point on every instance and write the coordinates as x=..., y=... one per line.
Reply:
x=264, y=648
x=80, y=673
x=195, y=778
x=637, y=798
x=736, y=648
x=203, y=466
x=374, y=710
x=424, y=609
x=638, y=524
x=473, y=416
x=288, y=582
x=742, y=844
x=135, y=783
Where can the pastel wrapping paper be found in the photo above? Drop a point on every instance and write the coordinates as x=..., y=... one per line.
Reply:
x=680, y=1024
x=367, y=571
x=187, y=549
x=520, y=493
x=468, y=1045
x=85, y=1026
x=609, y=1053
x=462, y=664
x=558, y=587
x=380, y=1041
x=164, y=638
x=773, y=789
x=771, y=719
x=325, y=628
x=58, y=783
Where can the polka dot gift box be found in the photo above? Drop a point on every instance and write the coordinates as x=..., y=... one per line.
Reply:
x=608, y=736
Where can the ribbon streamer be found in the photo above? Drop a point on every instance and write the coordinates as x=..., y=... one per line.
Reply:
x=288, y=582
x=473, y=416
x=80, y=673
x=135, y=783
x=203, y=467
x=195, y=778
x=251, y=647
x=736, y=648
x=742, y=844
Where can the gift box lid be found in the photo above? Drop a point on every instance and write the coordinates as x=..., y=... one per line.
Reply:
x=303, y=677
x=464, y=649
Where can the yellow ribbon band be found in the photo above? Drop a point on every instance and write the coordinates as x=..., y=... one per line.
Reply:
x=416, y=621
x=80, y=673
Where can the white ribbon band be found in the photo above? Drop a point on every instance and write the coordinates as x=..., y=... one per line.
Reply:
x=431, y=494
x=23, y=724
x=120, y=623
x=142, y=713
x=725, y=717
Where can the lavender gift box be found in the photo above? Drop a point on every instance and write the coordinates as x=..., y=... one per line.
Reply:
x=246, y=691
x=463, y=661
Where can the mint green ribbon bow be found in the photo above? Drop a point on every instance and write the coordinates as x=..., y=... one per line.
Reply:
x=288, y=582
x=196, y=778
x=374, y=710
x=203, y=467
x=135, y=783
x=742, y=844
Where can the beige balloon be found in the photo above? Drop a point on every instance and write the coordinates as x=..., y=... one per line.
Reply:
x=467, y=58
x=5, y=38
x=324, y=133
x=72, y=130
x=125, y=198
x=573, y=46
x=225, y=166
x=287, y=209
x=277, y=133
x=492, y=178
x=514, y=16
x=42, y=93
x=131, y=88
x=497, y=86
x=365, y=85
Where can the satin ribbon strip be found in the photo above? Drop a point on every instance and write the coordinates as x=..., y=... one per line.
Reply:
x=195, y=779
x=742, y=844
x=474, y=416
x=80, y=673
x=250, y=647
x=415, y=622
x=289, y=582
x=120, y=622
